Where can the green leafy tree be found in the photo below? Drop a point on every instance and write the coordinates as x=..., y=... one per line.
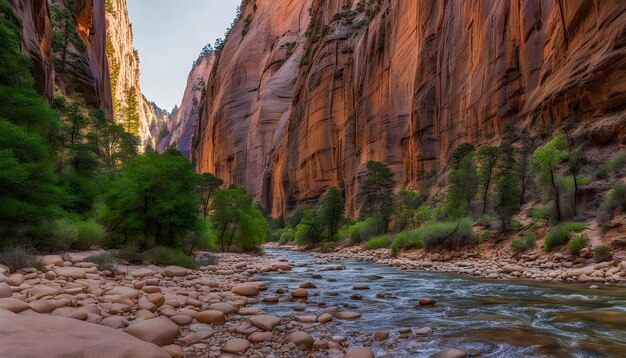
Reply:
x=524, y=164
x=114, y=146
x=376, y=193
x=487, y=158
x=507, y=185
x=238, y=223
x=575, y=166
x=153, y=199
x=207, y=184
x=547, y=160
x=331, y=211
x=295, y=218
x=407, y=202
x=463, y=181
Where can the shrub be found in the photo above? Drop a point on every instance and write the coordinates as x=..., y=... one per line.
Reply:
x=559, y=234
x=616, y=197
x=603, y=170
x=486, y=221
x=577, y=244
x=327, y=246
x=406, y=240
x=63, y=234
x=275, y=235
x=89, y=233
x=602, y=253
x=18, y=257
x=207, y=260
x=162, y=255
x=378, y=242
x=105, y=262
x=129, y=253
x=522, y=245
x=483, y=236
x=286, y=236
x=451, y=234
x=516, y=224
x=618, y=162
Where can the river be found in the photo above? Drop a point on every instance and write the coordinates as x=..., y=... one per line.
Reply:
x=513, y=318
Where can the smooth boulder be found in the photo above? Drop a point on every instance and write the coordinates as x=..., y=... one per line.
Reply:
x=264, y=321
x=360, y=353
x=211, y=317
x=160, y=331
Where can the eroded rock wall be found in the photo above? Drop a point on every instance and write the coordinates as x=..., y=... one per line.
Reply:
x=401, y=82
x=182, y=123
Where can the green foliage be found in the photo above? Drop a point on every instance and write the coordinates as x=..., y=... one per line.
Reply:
x=577, y=244
x=16, y=257
x=378, y=242
x=286, y=236
x=424, y=214
x=602, y=253
x=463, y=181
x=295, y=218
x=525, y=244
x=615, y=198
x=406, y=240
x=105, y=262
x=152, y=199
x=165, y=256
x=364, y=230
x=206, y=185
x=559, y=234
x=108, y=6
x=447, y=234
x=486, y=158
x=129, y=253
x=89, y=234
x=331, y=212
x=375, y=196
x=407, y=202
x=508, y=186
x=131, y=111
x=14, y=71
x=310, y=230
x=547, y=160
x=238, y=223
x=327, y=246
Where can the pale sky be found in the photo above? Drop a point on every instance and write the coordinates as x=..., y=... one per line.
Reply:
x=169, y=35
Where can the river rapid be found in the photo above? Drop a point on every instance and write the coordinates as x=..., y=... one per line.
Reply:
x=499, y=318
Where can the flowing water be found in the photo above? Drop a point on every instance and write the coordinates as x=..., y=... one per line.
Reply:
x=500, y=318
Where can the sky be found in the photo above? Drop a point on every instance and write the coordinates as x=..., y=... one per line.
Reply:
x=169, y=35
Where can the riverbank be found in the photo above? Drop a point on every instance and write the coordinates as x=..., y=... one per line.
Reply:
x=493, y=263
x=170, y=311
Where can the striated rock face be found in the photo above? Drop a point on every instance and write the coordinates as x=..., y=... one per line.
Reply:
x=182, y=123
x=401, y=82
x=37, y=41
x=249, y=95
x=80, y=56
x=124, y=68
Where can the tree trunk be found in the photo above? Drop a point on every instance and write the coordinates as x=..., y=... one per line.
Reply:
x=556, y=195
x=485, y=194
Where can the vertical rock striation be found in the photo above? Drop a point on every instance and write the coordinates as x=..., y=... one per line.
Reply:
x=402, y=82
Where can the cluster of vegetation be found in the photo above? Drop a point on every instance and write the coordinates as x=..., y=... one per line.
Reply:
x=72, y=179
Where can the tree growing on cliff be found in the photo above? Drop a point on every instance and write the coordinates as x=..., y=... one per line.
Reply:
x=131, y=111
x=376, y=194
x=463, y=181
x=237, y=221
x=487, y=158
x=331, y=211
x=547, y=160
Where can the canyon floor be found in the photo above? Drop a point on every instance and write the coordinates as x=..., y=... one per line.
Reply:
x=288, y=303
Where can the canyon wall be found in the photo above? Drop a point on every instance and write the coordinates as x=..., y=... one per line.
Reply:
x=124, y=66
x=401, y=82
x=182, y=123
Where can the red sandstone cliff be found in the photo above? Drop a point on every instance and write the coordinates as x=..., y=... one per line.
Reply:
x=402, y=82
x=182, y=123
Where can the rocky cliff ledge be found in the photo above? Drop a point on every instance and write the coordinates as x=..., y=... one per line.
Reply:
x=304, y=94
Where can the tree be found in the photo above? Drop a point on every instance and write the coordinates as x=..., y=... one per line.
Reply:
x=311, y=229
x=376, y=193
x=207, y=184
x=463, y=182
x=507, y=185
x=407, y=202
x=153, y=199
x=295, y=218
x=131, y=111
x=524, y=165
x=575, y=166
x=331, y=211
x=487, y=158
x=547, y=160
x=114, y=146
x=236, y=220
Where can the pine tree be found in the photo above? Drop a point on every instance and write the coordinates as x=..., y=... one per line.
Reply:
x=331, y=211
x=376, y=194
x=131, y=112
